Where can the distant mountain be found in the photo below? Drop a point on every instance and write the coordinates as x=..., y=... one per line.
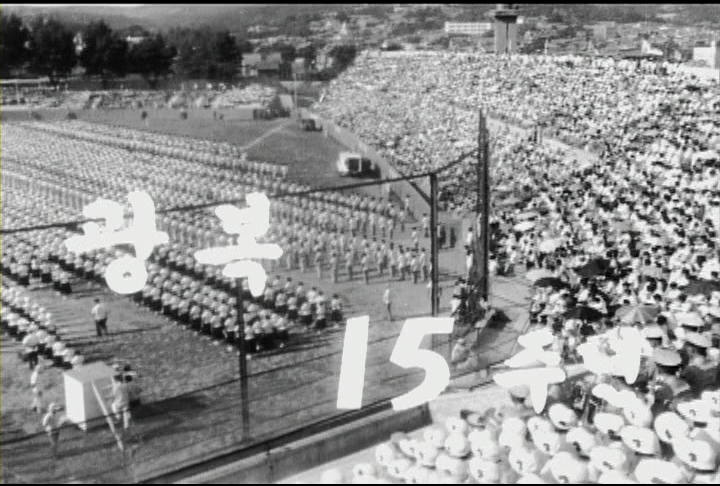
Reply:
x=237, y=18
x=166, y=16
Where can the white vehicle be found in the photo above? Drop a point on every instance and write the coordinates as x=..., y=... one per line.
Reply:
x=355, y=165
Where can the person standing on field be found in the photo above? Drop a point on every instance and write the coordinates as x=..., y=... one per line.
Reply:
x=387, y=300
x=100, y=314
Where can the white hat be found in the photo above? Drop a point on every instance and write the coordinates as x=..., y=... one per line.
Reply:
x=566, y=468
x=670, y=426
x=531, y=479
x=640, y=439
x=699, y=411
x=364, y=472
x=456, y=425
x=549, y=443
x=562, y=416
x=615, y=477
x=608, y=459
x=513, y=432
x=408, y=446
x=698, y=454
x=609, y=422
x=582, y=439
x=525, y=460
x=386, y=453
x=650, y=471
x=454, y=466
x=427, y=454
x=457, y=445
x=484, y=444
x=485, y=471
x=399, y=467
x=332, y=476
x=436, y=436
x=637, y=412
x=538, y=424
x=413, y=475
x=713, y=398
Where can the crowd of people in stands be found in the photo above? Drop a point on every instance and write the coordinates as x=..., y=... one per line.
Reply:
x=421, y=111
x=626, y=239
x=216, y=96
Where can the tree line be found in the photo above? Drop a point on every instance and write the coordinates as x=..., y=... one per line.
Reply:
x=49, y=48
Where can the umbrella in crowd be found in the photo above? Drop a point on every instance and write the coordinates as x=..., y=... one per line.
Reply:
x=637, y=313
x=592, y=268
x=584, y=313
x=553, y=282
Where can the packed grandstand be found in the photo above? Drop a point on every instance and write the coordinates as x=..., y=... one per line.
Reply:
x=626, y=237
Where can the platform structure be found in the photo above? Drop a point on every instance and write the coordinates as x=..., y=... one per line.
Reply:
x=505, y=26
x=83, y=408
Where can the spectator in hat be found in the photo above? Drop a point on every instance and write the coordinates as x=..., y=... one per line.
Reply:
x=699, y=372
x=667, y=386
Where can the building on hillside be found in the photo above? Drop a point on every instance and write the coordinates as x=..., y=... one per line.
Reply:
x=468, y=28
x=505, y=26
x=602, y=31
x=134, y=39
x=79, y=43
x=708, y=55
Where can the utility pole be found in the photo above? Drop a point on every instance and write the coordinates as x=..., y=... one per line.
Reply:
x=482, y=210
x=242, y=362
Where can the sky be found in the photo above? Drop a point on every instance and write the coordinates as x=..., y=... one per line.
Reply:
x=113, y=5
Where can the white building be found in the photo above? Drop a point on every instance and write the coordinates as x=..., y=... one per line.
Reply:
x=708, y=55
x=468, y=28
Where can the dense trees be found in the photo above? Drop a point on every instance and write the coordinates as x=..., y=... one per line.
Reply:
x=104, y=53
x=14, y=38
x=152, y=58
x=51, y=49
x=48, y=47
x=202, y=53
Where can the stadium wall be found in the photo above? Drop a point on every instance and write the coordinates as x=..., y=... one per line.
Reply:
x=414, y=189
x=205, y=114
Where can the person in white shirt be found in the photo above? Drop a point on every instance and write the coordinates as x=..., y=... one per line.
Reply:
x=100, y=314
x=387, y=300
x=36, y=386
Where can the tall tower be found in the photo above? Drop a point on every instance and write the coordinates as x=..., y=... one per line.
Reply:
x=505, y=15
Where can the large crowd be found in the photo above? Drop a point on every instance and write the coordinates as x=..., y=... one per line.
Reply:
x=421, y=111
x=627, y=238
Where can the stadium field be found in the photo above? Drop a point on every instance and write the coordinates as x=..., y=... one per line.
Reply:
x=190, y=387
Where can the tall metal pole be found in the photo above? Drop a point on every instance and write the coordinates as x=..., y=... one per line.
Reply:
x=434, y=275
x=483, y=208
x=242, y=362
x=434, y=272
